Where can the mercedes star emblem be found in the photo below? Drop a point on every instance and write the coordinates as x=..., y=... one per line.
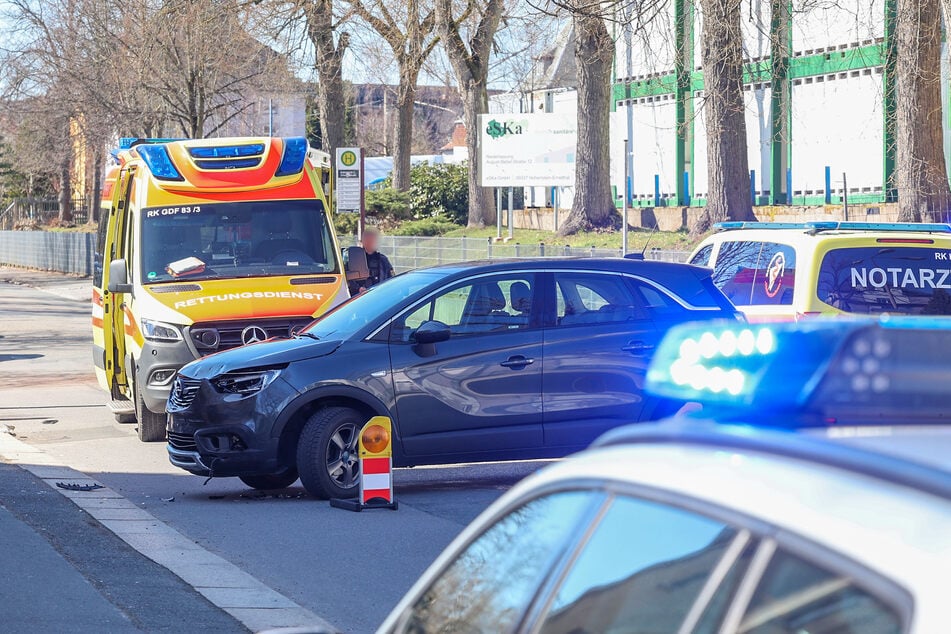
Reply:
x=253, y=334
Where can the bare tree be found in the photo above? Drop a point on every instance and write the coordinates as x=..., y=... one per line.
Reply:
x=469, y=57
x=728, y=194
x=921, y=173
x=408, y=27
x=593, y=205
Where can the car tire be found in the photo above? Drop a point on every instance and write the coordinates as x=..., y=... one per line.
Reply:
x=152, y=426
x=327, y=453
x=271, y=481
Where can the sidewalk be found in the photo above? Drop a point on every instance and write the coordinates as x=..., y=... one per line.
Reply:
x=60, y=284
x=65, y=573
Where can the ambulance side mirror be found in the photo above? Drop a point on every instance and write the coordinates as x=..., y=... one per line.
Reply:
x=355, y=263
x=118, y=277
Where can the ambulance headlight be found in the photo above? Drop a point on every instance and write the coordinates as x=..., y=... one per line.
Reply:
x=160, y=331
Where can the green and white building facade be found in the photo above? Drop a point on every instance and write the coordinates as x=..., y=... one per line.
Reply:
x=818, y=106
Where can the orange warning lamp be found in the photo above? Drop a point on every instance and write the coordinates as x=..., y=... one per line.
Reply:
x=375, y=438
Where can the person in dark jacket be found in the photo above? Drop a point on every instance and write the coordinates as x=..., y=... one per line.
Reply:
x=379, y=265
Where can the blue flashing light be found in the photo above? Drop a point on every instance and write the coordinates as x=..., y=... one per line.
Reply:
x=226, y=151
x=892, y=370
x=775, y=366
x=159, y=162
x=295, y=151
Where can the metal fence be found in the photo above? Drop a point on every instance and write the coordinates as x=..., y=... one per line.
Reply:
x=412, y=252
x=38, y=211
x=48, y=250
x=73, y=252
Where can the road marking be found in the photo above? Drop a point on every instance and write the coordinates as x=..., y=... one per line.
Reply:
x=226, y=586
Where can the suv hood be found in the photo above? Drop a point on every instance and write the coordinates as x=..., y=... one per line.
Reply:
x=259, y=355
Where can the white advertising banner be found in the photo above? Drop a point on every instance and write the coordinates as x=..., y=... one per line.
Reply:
x=524, y=150
x=348, y=181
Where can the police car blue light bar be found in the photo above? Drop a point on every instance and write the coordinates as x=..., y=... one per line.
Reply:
x=879, y=369
x=921, y=227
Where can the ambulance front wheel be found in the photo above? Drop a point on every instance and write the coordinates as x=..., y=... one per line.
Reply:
x=328, y=455
x=151, y=427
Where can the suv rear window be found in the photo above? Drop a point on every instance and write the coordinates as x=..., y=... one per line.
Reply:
x=756, y=273
x=870, y=280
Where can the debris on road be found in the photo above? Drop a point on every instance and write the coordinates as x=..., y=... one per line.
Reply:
x=75, y=486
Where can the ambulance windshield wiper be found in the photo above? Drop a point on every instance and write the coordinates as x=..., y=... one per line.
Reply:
x=307, y=334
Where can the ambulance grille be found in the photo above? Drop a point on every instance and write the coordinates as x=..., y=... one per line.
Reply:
x=210, y=337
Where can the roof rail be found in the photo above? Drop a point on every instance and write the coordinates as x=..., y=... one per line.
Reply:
x=816, y=227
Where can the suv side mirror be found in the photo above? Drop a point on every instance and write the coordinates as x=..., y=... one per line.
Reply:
x=355, y=263
x=428, y=335
x=430, y=332
x=118, y=277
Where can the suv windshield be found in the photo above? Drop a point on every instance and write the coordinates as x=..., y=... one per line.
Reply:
x=229, y=240
x=342, y=323
x=870, y=280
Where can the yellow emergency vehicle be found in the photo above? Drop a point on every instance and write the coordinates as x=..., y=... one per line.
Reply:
x=206, y=245
x=785, y=271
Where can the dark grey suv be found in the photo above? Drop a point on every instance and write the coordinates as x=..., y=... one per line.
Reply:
x=482, y=361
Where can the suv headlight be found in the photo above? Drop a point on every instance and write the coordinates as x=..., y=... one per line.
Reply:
x=160, y=331
x=244, y=382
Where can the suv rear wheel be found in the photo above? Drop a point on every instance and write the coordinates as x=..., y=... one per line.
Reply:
x=328, y=454
x=271, y=481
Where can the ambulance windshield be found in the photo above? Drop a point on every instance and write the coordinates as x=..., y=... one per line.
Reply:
x=901, y=280
x=234, y=240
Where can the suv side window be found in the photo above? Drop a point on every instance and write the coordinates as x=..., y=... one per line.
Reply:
x=488, y=304
x=657, y=303
x=756, y=273
x=702, y=258
x=640, y=572
x=490, y=585
x=595, y=298
x=798, y=596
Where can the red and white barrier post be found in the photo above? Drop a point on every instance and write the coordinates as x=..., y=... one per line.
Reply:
x=376, y=468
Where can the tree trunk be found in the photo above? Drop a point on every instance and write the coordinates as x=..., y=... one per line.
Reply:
x=403, y=129
x=728, y=172
x=331, y=99
x=921, y=172
x=65, y=208
x=470, y=64
x=475, y=101
x=593, y=206
x=92, y=216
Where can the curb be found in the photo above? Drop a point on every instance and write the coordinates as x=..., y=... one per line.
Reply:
x=255, y=605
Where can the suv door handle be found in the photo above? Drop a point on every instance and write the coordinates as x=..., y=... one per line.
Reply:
x=637, y=348
x=517, y=362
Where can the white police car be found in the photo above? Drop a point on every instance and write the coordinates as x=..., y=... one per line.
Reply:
x=737, y=525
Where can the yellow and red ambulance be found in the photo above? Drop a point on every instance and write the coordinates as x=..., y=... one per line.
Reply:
x=206, y=245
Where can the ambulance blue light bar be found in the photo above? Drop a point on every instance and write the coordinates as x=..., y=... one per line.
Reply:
x=159, y=162
x=295, y=151
x=891, y=367
x=921, y=227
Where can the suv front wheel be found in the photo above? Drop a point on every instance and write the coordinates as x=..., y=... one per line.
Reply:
x=328, y=454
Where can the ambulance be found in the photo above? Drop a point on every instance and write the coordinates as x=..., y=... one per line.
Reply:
x=206, y=245
x=790, y=271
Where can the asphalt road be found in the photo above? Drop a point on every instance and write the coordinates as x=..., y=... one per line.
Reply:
x=349, y=568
